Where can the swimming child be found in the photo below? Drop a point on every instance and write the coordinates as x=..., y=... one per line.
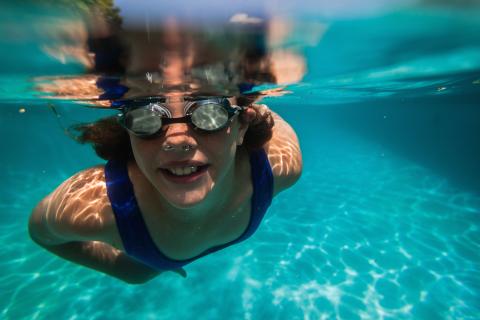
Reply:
x=186, y=175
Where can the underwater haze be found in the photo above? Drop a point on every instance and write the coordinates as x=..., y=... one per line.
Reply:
x=383, y=224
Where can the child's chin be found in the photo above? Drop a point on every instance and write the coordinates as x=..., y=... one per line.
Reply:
x=188, y=202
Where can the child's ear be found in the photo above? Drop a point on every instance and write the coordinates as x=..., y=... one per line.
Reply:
x=248, y=115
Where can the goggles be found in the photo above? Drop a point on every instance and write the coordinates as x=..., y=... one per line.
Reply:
x=146, y=117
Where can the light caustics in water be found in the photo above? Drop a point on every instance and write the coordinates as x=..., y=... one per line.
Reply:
x=363, y=234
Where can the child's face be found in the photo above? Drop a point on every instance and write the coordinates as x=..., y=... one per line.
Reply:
x=183, y=164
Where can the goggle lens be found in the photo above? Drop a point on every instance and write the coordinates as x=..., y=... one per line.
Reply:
x=205, y=115
x=143, y=121
x=209, y=117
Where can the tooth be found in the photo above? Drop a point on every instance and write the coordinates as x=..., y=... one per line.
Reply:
x=183, y=171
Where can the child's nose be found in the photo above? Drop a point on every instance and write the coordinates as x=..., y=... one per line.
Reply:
x=178, y=138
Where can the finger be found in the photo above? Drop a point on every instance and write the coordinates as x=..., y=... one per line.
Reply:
x=181, y=272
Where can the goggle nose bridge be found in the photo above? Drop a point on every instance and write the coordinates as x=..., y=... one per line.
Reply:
x=184, y=119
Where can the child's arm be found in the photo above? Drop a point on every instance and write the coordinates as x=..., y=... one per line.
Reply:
x=96, y=255
x=283, y=151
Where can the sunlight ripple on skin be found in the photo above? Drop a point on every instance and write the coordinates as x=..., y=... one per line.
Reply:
x=88, y=184
x=283, y=146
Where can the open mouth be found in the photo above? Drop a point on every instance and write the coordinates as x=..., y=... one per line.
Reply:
x=184, y=174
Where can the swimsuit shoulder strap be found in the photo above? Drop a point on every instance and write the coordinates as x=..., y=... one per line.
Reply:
x=262, y=180
x=131, y=226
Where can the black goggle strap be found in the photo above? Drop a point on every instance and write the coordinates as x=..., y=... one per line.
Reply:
x=185, y=119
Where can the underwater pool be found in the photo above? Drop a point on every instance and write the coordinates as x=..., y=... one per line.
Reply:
x=383, y=224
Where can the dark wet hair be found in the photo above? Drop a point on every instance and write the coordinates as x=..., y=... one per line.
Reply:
x=112, y=142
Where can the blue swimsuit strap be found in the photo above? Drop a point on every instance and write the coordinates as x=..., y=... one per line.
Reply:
x=134, y=233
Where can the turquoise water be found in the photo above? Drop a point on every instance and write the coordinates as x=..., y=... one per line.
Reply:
x=383, y=224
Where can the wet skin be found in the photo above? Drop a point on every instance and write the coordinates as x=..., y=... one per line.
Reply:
x=76, y=221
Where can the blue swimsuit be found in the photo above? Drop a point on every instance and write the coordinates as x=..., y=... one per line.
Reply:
x=133, y=231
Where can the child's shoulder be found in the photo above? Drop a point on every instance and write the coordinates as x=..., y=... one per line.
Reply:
x=284, y=155
x=85, y=188
x=78, y=209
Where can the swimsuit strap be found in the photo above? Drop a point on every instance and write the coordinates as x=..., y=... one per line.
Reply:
x=134, y=233
x=131, y=226
x=262, y=180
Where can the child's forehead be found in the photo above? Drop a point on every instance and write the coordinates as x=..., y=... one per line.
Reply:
x=182, y=98
x=171, y=101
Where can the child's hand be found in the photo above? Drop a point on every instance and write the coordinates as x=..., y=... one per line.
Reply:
x=181, y=272
x=261, y=112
